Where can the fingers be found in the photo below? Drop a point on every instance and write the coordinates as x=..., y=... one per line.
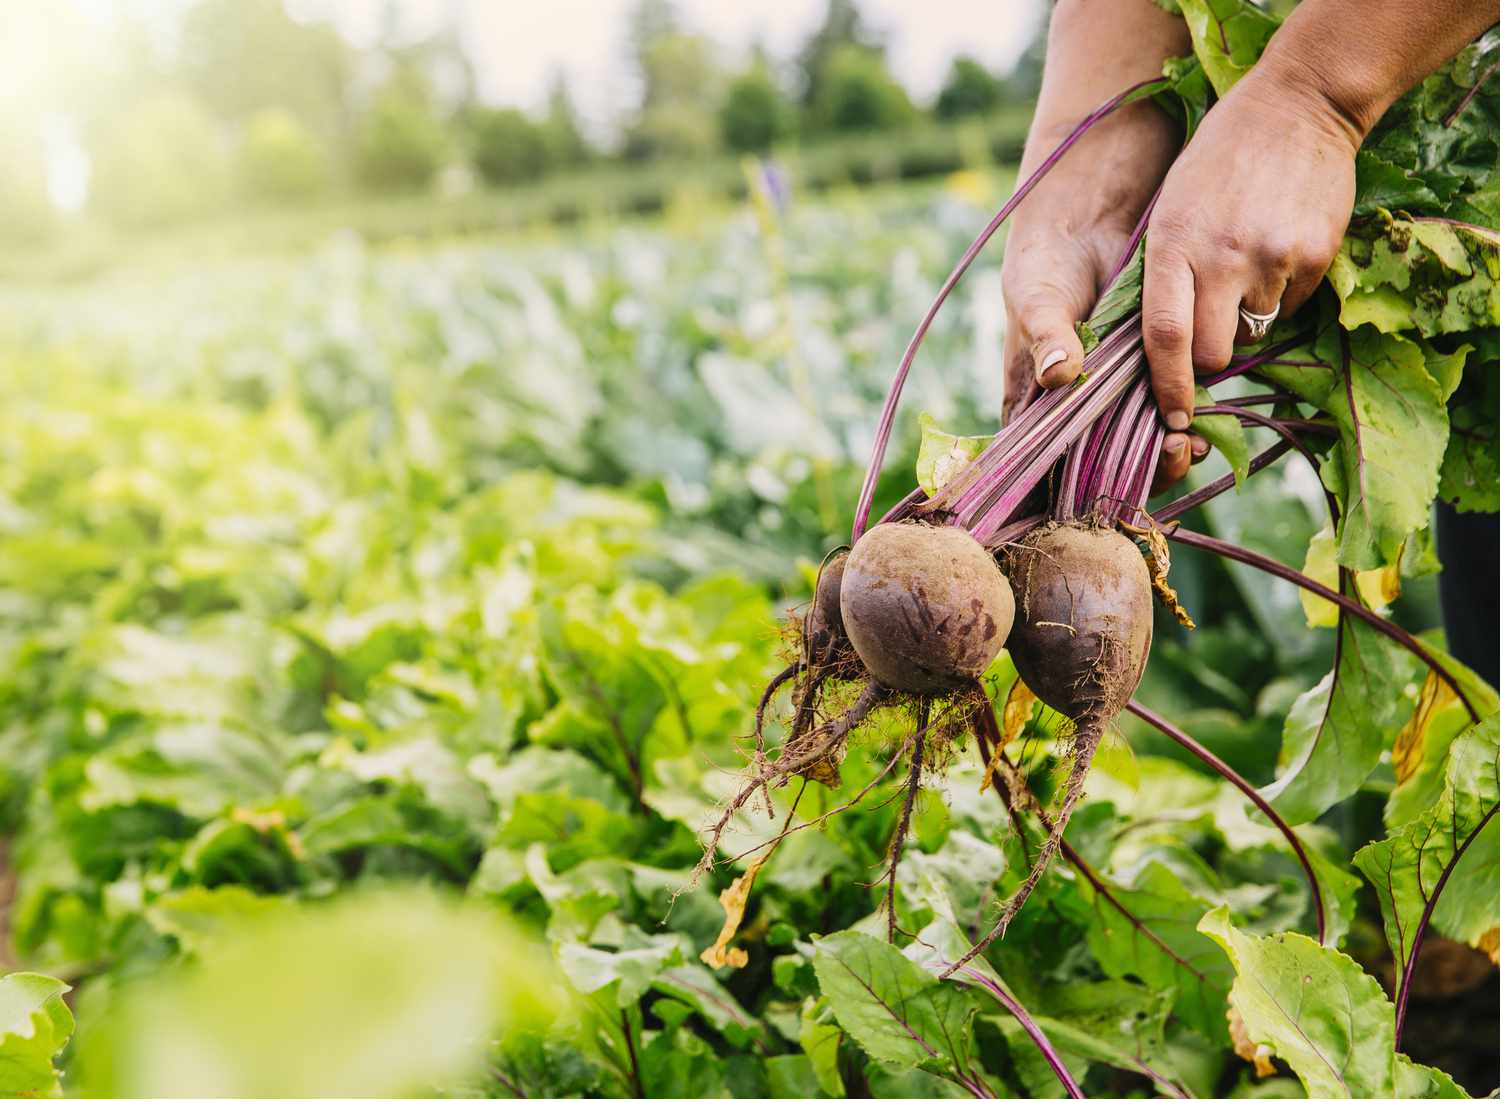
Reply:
x=1176, y=456
x=1167, y=329
x=1046, y=290
x=1056, y=351
x=1173, y=465
x=1267, y=294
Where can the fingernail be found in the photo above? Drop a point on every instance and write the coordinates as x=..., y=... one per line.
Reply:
x=1178, y=420
x=1049, y=360
x=1175, y=444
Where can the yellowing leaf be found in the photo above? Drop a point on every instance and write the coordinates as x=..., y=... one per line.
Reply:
x=1377, y=587
x=1489, y=942
x=1159, y=564
x=1256, y=1053
x=1406, y=753
x=942, y=456
x=734, y=899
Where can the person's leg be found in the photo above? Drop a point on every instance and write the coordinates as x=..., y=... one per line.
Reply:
x=1469, y=586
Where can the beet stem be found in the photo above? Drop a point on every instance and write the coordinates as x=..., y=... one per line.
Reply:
x=1359, y=610
x=1028, y=1024
x=1217, y=487
x=893, y=396
x=1203, y=753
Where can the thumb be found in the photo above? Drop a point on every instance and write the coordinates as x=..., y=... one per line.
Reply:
x=1056, y=351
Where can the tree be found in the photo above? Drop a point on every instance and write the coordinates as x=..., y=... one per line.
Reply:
x=755, y=113
x=676, y=117
x=969, y=90
x=162, y=160
x=402, y=142
x=842, y=26
x=508, y=146
x=859, y=93
x=1024, y=81
x=566, y=145
x=281, y=161
x=241, y=57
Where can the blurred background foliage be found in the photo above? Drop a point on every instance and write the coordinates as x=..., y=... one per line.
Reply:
x=241, y=106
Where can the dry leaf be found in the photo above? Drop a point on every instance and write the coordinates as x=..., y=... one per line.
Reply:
x=1257, y=1055
x=734, y=899
x=1158, y=564
x=1017, y=712
x=1406, y=753
x=1489, y=942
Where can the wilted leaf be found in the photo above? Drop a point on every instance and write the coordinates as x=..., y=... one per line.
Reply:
x=942, y=456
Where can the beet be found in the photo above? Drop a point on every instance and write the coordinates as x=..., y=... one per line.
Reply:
x=823, y=630
x=926, y=608
x=1084, y=631
x=1080, y=643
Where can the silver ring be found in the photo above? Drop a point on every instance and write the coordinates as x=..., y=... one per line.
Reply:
x=1258, y=324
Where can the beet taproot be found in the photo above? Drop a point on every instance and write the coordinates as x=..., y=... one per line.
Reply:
x=926, y=608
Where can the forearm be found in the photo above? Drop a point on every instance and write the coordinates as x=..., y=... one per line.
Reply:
x=1354, y=58
x=1096, y=48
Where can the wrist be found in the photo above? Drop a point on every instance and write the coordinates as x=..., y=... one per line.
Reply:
x=1342, y=98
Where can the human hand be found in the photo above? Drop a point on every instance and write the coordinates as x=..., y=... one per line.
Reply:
x=1066, y=240
x=1251, y=214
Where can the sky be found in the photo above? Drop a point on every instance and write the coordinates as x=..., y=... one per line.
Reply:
x=517, y=45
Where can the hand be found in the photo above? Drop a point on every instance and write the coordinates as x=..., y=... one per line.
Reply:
x=1065, y=241
x=1251, y=213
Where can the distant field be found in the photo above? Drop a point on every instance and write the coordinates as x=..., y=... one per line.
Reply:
x=604, y=194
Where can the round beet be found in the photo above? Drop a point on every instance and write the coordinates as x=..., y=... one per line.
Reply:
x=826, y=641
x=926, y=608
x=1084, y=631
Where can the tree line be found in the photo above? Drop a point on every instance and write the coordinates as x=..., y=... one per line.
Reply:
x=246, y=104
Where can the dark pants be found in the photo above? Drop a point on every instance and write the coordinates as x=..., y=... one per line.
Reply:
x=1470, y=587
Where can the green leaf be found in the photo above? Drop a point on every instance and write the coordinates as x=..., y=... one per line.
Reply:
x=1433, y=276
x=632, y=968
x=820, y=1040
x=701, y=990
x=1471, y=463
x=941, y=456
x=1156, y=939
x=1227, y=435
x=1336, y=731
x=1228, y=37
x=1408, y=868
x=896, y=1010
x=417, y=986
x=35, y=1025
x=1316, y=1009
x=1115, y=1023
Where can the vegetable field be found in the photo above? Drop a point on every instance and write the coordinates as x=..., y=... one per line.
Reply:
x=383, y=630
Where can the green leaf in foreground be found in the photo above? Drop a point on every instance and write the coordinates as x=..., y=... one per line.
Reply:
x=1227, y=435
x=1430, y=275
x=891, y=1006
x=35, y=1024
x=1317, y=1010
x=1410, y=867
x=1388, y=396
x=941, y=456
x=370, y=997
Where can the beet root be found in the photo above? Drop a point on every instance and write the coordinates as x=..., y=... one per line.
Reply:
x=926, y=608
x=1084, y=631
x=1080, y=643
